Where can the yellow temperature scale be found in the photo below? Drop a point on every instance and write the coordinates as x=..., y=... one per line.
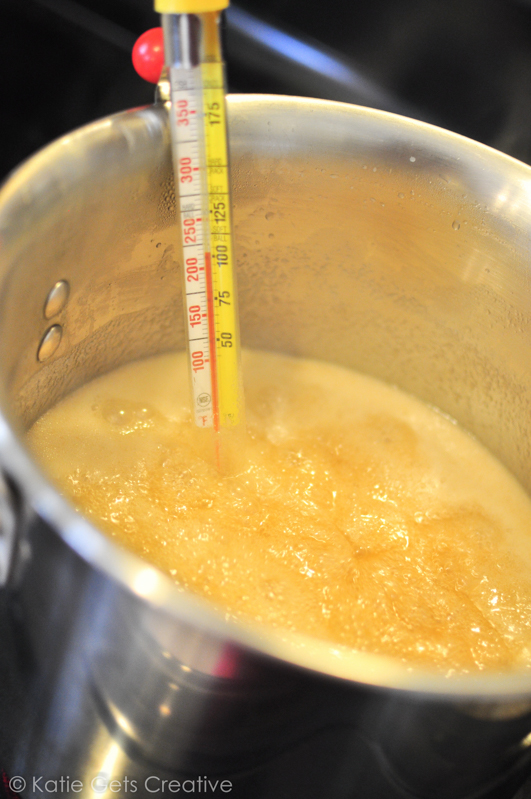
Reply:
x=193, y=58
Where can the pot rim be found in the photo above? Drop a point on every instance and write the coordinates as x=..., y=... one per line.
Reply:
x=156, y=587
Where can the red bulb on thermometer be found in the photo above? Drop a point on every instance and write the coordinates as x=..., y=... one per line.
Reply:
x=148, y=55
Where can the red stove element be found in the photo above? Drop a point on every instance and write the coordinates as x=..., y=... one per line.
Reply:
x=6, y=792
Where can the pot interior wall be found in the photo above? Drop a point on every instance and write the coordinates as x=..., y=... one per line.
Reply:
x=363, y=239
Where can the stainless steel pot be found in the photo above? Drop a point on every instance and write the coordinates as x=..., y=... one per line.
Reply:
x=362, y=238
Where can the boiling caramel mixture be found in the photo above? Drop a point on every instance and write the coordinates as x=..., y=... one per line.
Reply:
x=357, y=514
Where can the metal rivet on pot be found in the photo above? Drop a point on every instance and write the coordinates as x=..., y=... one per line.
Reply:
x=56, y=299
x=49, y=342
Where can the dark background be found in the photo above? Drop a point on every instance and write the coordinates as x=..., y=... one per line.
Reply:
x=463, y=64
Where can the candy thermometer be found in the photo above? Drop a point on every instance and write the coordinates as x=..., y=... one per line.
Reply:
x=193, y=58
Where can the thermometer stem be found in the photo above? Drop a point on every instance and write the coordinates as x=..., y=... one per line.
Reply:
x=201, y=167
